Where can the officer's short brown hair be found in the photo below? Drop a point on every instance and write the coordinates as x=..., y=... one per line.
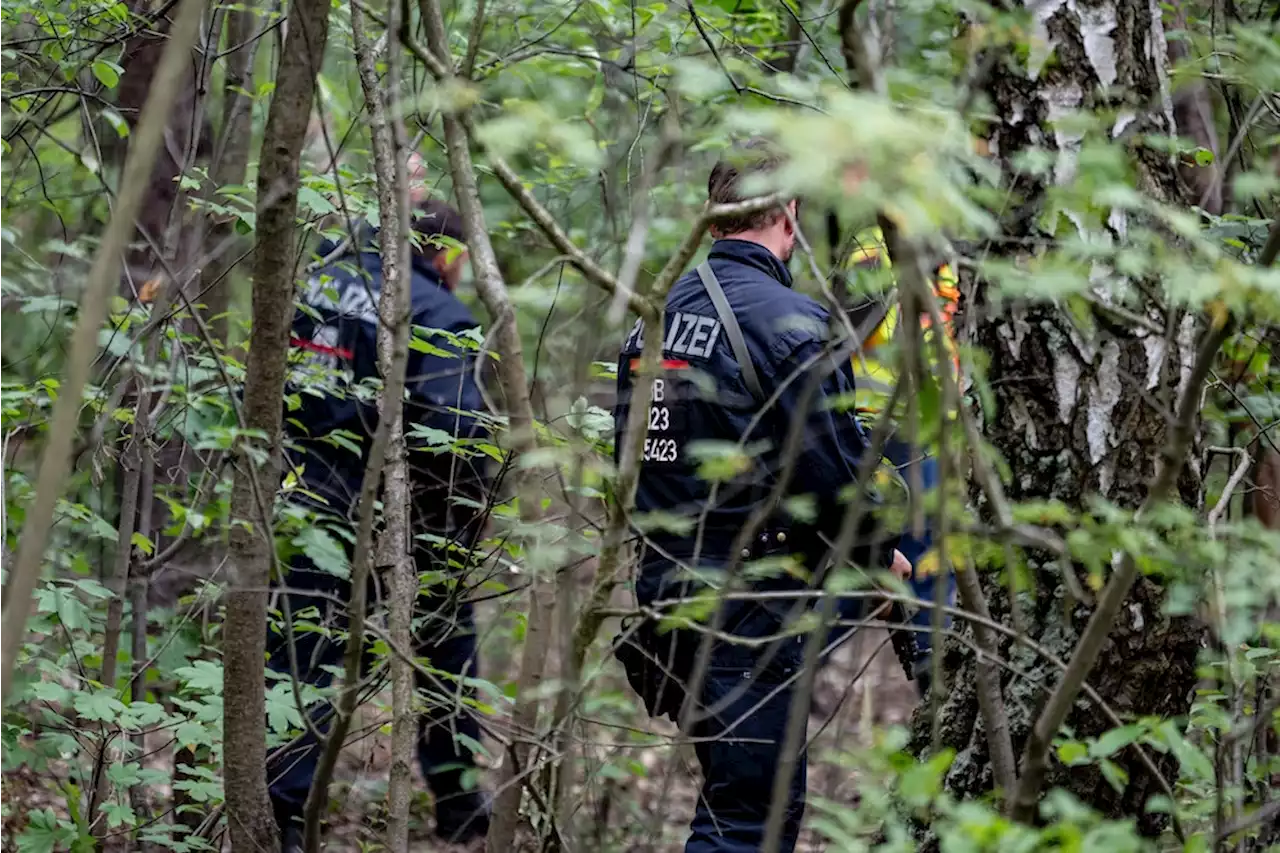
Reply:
x=433, y=219
x=753, y=157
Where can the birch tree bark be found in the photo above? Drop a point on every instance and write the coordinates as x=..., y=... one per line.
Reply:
x=1078, y=411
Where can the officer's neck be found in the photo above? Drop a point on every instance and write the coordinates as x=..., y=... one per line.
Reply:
x=772, y=238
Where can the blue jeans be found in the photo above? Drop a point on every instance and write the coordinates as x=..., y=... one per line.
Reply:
x=739, y=728
x=446, y=639
x=903, y=457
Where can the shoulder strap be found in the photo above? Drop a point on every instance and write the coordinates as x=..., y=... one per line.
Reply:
x=732, y=329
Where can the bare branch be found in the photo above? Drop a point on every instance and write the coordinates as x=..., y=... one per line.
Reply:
x=473, y=41
x=542, y=217
x=1233, y=481
x=522, y=438
x=387, y=462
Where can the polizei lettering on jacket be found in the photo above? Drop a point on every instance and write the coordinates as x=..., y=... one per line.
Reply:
x=688, y=336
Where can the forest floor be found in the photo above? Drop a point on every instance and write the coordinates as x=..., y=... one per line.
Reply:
x=636, y=798
x=649, y=811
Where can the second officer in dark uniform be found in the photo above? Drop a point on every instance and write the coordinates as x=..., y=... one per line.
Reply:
x=739, y=348
x=336, y=331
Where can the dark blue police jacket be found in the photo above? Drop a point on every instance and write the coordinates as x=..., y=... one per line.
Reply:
x=701, y=400
x=335, y=327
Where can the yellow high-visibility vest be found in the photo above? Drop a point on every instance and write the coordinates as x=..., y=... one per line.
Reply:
x=876, y=378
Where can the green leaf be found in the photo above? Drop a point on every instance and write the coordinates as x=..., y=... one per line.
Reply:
x=1193, y=761
x=1115, y=775
x=49, y=691
x=99, y=706
x=719, y=461
x=143, y=714
x=119, y=814
x=108, y=73
x=419, y=345
x=323, y=550
x=43, y=833
x=282, y=709
x=1072, y=752
x=923, y=782
x=117, y=122
x=432, y=436
x=1115, y=740
x=143, y=544
x=315, y=202
x=200, y=791
x=124, y=775
x=48, y=302
x=192, y=733
x=203, y=676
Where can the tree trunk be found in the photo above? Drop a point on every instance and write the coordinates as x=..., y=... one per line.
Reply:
x=230, y=163
x=249, y=816
x=1077, y=412
x=389, y=155
x=186, y=136
x=521, y=438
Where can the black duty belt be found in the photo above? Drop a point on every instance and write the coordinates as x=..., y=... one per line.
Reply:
x=718, y=544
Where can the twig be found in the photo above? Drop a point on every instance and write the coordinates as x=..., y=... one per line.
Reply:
x=392, y=548
x=1263, y=815
x=4, y=506
x=633, y=255
x=1236, y=476
x=473, y=41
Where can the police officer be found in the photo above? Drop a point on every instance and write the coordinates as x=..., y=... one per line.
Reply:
x=876, y=319
x=334, y=331
x=739, y=347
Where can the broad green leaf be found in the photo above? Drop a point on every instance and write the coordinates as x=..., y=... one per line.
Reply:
x=1113, y=741
x=1072, y=752
x=203, y=676
x=98, y=705
x=323, y=550
x=119, y=814
x=108, y=73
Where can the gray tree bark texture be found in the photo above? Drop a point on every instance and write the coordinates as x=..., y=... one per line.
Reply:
x=1076, y=413
x=393, y=549
x=252, y=547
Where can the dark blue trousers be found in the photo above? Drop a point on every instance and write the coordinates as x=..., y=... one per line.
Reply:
x=445, y=639
x=739, y=728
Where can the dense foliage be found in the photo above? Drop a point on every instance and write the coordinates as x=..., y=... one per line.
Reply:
x=1104, y=177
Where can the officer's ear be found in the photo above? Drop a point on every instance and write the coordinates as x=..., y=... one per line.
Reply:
x=450, y=263
x=793, y=212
